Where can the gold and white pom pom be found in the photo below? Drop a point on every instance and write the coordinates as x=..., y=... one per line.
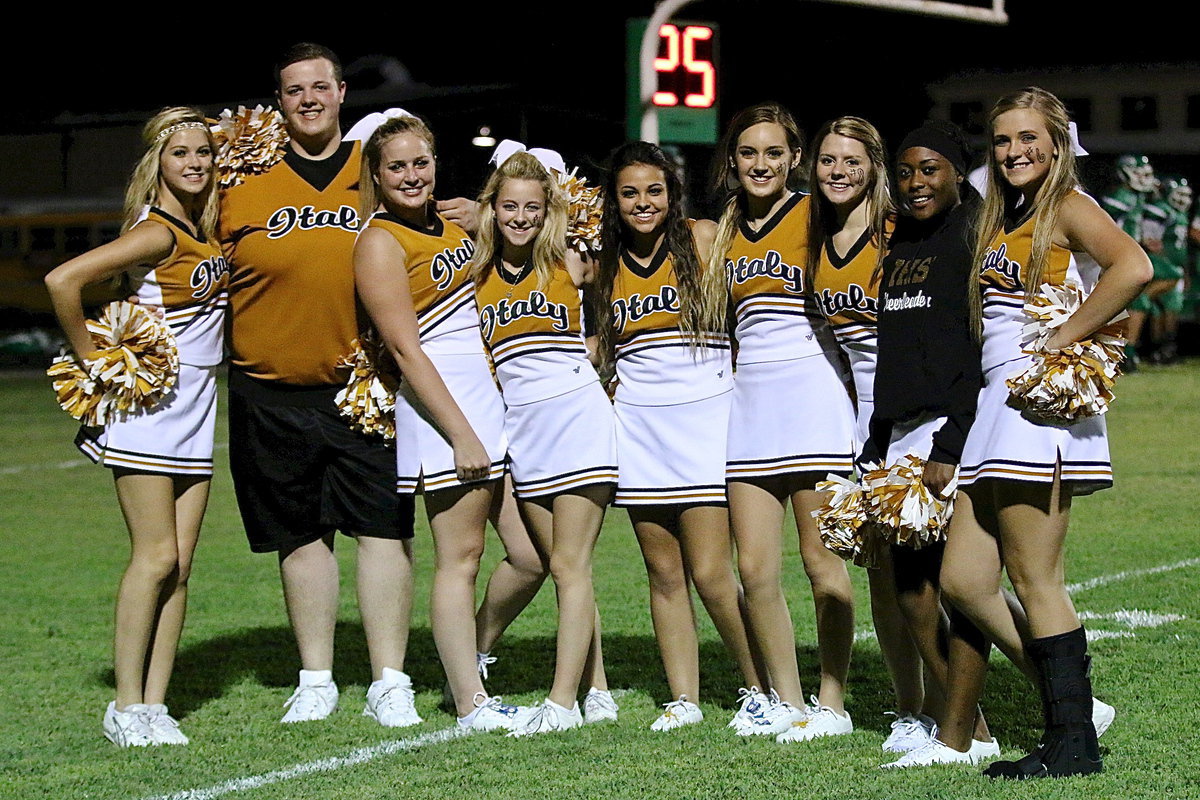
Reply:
x=136, y=366
x=584, y=210
x=369, y=398
x=249, y=141
x=842, y=520
x=905, y=510
x=1077, y=381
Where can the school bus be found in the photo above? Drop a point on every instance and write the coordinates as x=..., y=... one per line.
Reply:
x=37, y=236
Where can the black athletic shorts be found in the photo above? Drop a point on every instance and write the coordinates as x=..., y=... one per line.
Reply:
x=300, y=472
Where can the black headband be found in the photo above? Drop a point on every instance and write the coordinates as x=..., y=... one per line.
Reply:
x=935, y=138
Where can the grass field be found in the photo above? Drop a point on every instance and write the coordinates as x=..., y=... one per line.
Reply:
x=64, y=548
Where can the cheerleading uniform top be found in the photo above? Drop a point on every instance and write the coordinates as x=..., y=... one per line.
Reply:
x=190, y=285
x=534, y=335
x=657, y=365
x=289, y=236
x=442, y=293
x=776, y=319
x=847, y=293
x=1003, y=277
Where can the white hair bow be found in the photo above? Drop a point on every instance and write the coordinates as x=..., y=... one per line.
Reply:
x=549, y=159
x=363, y=129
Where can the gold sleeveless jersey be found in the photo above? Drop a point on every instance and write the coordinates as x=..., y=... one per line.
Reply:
x=290, y=247
x=776, y=318
x=533, y=335
x=1003, y=277
x=656, y=363
x=190, y=287
x=847, y=293
x=443, y=296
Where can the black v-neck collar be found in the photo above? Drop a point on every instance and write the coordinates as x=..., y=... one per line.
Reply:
x=319, y=173
x=633, y=266
x=516, y=279
x=197, y=236
x=840, y=261
x=752, y=235
x=437, y=229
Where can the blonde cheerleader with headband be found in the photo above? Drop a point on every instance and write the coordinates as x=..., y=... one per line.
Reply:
x=161, y=456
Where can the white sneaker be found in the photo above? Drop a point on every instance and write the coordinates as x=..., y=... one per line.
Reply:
x=908, y=733
x=164, y=726
x=315, y=698
x=547, y=717
x=391, y=702
x=483, y=661
x=491, y=714
x=981, y=750
x=934, y=753
x=820, y=721
x=599, y=706
x=773, y=718
x=677, y=714
x=750, y=702
x=128, y=728
x=1102, y=716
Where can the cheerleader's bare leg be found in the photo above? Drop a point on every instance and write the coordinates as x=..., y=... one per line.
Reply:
x=163, y=515
x=833, y=599
x=756, y=513
x=708, y=558
x=566, y=528
x=458, y=519
x=516, y=580
x=671, y=611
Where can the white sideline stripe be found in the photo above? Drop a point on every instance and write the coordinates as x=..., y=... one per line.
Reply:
x=365, y=754
x=1101, y=580
x=1129, y=618
x=360, y=756
x=72, y=464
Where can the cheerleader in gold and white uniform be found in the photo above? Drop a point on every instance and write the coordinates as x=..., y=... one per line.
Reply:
x=674, y=379
x=1019, y=474
x=411, y=273
x=791, y=421
x=558, y=420
x=847, y=231
x=161, y=458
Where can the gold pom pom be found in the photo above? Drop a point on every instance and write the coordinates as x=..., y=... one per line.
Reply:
x=136, y=366
x=369, y=399
x=842, y=520
x=249, y=142
x=1065, y=385
x=903, y=507
x=585, y=208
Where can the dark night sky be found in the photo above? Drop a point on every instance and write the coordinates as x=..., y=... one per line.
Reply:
x=567, y=72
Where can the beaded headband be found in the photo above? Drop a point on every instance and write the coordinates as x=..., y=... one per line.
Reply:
x=179, y=126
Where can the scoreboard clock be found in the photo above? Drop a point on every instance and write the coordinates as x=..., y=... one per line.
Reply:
x=687, y=75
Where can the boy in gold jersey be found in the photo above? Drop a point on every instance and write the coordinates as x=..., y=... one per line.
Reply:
x=299, y=471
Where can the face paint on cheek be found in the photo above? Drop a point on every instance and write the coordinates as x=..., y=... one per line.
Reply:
x=1041, y=157
x=857, y=176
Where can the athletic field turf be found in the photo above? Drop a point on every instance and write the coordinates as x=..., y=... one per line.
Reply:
x=1134, y=561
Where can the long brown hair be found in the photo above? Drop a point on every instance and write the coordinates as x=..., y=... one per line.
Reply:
x=1000, y=201
x=714, y=285
x=878, y=195
x=678, y=240
x=550, y=247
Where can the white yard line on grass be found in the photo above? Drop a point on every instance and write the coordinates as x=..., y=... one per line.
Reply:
x=359, y=756
x=1132, y=618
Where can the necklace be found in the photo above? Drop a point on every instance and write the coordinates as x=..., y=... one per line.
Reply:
x=512, y=277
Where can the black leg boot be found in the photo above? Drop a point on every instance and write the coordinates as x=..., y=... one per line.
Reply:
x=1068, y=746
